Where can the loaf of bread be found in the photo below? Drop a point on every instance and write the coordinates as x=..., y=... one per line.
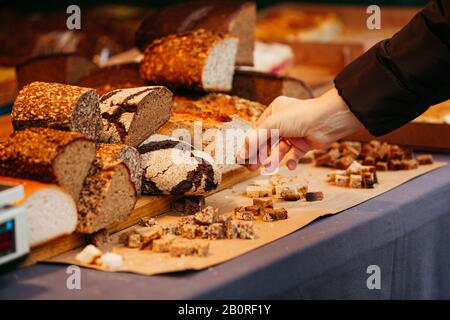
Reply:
x=108, y=193
x=130, y=116
x=57, y=106
x=67, y=68
x=197, y=60
x=106, y=79
x=265, y=87
x=50, y=211
x=235, y=18
x=108, y=155
x=49, y=156
x=174, y=167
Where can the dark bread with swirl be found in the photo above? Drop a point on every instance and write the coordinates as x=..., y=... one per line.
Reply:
x=174, y=167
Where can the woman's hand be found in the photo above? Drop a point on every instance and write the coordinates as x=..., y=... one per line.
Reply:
x=303, y=125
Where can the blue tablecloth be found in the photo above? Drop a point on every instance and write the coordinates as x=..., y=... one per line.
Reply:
x=405, y=232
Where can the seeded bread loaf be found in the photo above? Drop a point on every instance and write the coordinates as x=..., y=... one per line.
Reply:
x=57, y=106
x=265, y=87
x=108, y=155
x=197, y=60
x=130, y=116
x=106, y=79
x=108, y=193
x=49, y=156
x=233, y=17
x=174, y=167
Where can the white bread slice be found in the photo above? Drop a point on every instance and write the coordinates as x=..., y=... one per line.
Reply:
x=50, y=211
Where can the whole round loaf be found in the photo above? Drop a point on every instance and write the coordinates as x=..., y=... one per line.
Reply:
x=175, y=167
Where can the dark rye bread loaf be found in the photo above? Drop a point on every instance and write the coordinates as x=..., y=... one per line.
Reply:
x=119, y=76
x=49, y=156
x=67, y=68
x=108, y=155
x=235, y=18
x=197, y=60
x=130, y=116
x=176, y=168
x=57, y=106
x=265, y=87
x=108, y=194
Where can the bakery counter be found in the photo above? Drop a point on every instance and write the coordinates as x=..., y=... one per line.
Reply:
x=401, y=236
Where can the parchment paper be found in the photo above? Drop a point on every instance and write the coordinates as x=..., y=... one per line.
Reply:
x=301, y=213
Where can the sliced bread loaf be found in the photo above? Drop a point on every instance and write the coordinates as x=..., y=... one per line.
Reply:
x=233, y=17
x=108, y=155
x=108, y=194
x=57, y=106
x=49, y=156
x=174, y=167
x=198, y=60
x=50, y=211
x=131, y=115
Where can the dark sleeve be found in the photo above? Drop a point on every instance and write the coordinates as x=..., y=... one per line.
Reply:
x=399, y=78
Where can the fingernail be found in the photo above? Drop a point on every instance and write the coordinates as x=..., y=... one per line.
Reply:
x=243, y=154
x=291, y=164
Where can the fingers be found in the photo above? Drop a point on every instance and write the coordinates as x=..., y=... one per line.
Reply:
x=292, y=157
x=277, y=154
x=260, y=137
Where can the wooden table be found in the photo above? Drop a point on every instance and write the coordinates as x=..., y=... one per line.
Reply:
x=5, y=126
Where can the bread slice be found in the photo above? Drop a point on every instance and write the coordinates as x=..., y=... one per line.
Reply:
x=108, y=195
x=67, y=68
x=131, y=115
x=108, y=155
x=174, y=167
x=49, y=156
x=50, y=211
x=57, y=106
x=236, y=18
x=197, y=60
x=265, y=87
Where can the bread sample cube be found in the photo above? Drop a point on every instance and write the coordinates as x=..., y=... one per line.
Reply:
x=253, y=209
x=424, y=159
x=146, y=222
x=171, y=228
x=134, y=241
x=395, y=165
x=175, y=167
x=343, y=163
x=342, y=180
x=89, y=254
x=108, y=194
x=367, y=180
x=111, y=260
x=354, y=168
x=258, y=191
x=202, y=231
x=188, y=230
x=129, y=116
x=314, y=196
x=57, y=106
x=148, y=234
x=207, y=216
x=263, y=203
x=410, y=164
x=49, y=156
x=201, y=248
x=382, y=166
x=241, y=214
x=355, y=181
x=245, y=230
x=232, y=229
x=270, y=215
x=216, y=231
x=182, y=247
x=163, y=244
x=199, y=60
x=193, y=204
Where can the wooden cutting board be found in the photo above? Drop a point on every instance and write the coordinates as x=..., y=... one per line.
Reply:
x=147, y=206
